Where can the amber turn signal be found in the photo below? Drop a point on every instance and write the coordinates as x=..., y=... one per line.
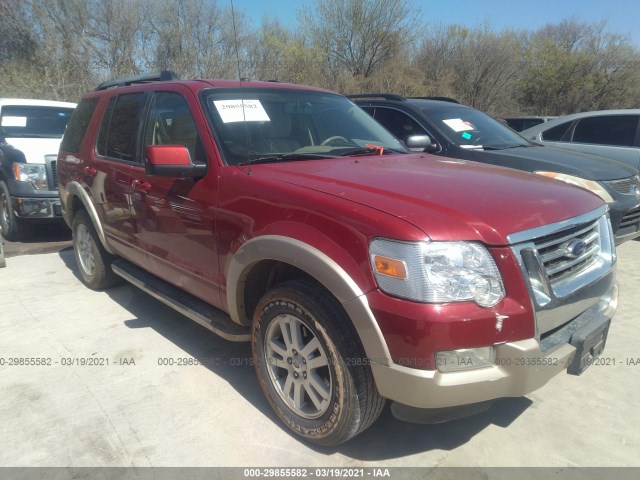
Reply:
x=390, y=267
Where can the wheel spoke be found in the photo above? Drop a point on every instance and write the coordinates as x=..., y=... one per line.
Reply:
x=278, y=362
x=297, y=395
x=318, y=384
x=285, y=326
x=278, y=348
x=314, y=396
x=287, y=386
x=310, y=347
x=317, y=362
x=296, y=335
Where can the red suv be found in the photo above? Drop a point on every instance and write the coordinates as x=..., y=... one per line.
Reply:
x=360, y=272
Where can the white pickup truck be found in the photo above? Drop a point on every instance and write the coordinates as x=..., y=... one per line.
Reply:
x=30, y=135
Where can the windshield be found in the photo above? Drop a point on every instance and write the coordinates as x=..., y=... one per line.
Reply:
x=31, y=121
x=469, y=128
x=290, y=125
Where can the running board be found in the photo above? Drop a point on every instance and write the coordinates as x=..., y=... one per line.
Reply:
x=197, y=310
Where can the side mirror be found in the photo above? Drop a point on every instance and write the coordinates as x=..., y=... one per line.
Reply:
x=171, y=161
x=420, y=143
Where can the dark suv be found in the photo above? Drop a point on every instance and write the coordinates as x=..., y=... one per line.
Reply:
x=454, y=130
x=287, y=217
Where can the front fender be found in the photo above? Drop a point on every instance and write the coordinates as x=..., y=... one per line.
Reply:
x=319, y=266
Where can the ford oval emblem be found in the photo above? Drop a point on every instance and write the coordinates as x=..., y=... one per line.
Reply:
x=575, y=248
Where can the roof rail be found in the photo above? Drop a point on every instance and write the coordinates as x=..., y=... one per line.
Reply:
x=386, y=96
x=442, y=99
x=163, y=76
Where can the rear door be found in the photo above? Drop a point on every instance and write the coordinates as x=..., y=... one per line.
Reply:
x=108, y=175
x=175, y=217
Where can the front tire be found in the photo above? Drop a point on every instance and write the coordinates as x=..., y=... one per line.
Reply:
x=94, y=262
x=311, y=365
x=11, y=229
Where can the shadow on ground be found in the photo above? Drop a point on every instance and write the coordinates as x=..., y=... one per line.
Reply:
x=42, y=238
x=388, y=438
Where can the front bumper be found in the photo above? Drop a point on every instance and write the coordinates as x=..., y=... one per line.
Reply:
x=520, y=368
x=37, y=208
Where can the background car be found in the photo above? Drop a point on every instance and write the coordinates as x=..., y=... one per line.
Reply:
x=30, y=135
x=454, y=130
x=522, y=123
x=611, y=133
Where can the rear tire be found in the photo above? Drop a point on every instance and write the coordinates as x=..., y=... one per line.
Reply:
x=94, y=262
x=11, y=229
x=311, y=365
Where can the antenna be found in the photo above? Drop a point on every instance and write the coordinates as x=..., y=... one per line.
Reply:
x=240, y=79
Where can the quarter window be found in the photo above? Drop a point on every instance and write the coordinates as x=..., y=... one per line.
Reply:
x=556, y=133
x=78, y=124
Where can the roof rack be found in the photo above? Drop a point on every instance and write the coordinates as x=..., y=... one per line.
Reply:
x=386, y=96
x=163, y=76
x=442, y=99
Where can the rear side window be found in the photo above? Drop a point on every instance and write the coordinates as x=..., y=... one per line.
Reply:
x=607, y=130
x=78, y=124
x=119, y=130
x=556, y=133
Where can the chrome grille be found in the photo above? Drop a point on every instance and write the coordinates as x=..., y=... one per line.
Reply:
x=626, y=185
x=558, y=259
x=54, y=175
x=630, y=219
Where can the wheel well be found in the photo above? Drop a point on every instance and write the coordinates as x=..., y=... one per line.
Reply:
x=263, y=276
x=76, y=204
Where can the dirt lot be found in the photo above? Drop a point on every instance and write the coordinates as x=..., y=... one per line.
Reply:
x=126, y=381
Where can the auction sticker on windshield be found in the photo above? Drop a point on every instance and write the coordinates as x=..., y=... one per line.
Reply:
x=14, y=121
x=458, y=125
x=232, y=111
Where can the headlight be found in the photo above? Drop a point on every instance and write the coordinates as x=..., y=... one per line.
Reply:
x=590, y=185
x=30, y=172
x=436, y=272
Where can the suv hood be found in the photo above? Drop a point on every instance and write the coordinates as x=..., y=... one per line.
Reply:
x=447, y=199
x=34, y=149
x=550, y=159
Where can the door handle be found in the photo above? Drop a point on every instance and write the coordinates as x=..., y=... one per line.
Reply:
x=90, y=171
x=140, y=186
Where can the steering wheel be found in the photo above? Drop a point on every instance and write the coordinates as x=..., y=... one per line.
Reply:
x=336, y=138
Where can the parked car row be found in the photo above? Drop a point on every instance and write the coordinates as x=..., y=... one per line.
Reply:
x=461, y=132
x=369, y=252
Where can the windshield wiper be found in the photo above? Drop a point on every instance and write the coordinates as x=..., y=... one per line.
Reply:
x=368, y=151
x=285, y=157
x=502, y=147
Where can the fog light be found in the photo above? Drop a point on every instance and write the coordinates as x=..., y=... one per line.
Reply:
x=465, y=359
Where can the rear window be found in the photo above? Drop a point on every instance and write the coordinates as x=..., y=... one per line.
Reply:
x=78, y=124
x=34, y=121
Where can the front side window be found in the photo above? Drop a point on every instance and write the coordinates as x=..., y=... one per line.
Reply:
x=33, y=121
x=398, y=123
x=255, y=124
x=170, y=122
x=119, y=130
x=607, y=130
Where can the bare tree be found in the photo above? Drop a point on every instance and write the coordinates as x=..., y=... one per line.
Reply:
x=359, y=36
